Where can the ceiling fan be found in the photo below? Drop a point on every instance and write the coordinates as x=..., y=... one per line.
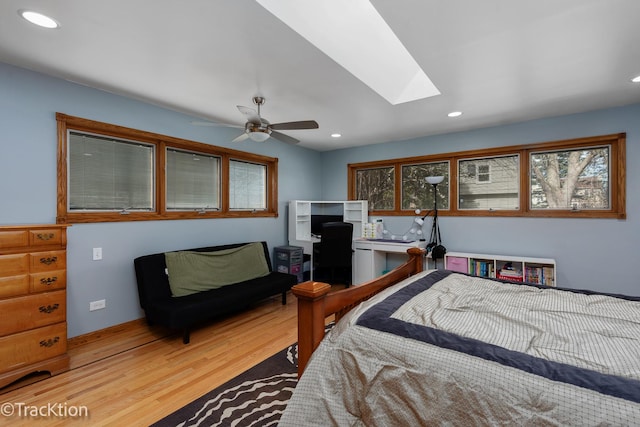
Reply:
x=257, y=128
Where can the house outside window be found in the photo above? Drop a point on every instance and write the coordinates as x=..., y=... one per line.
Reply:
x=576, y=178
x=489, y=183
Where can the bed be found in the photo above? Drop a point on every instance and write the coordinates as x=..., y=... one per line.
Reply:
x=443, y=348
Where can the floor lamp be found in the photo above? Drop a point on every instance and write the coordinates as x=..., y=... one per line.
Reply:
x=435, y=229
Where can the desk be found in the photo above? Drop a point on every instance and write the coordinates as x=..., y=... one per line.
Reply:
x=370, y=256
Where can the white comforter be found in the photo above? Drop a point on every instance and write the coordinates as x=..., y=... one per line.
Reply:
x=555, y=358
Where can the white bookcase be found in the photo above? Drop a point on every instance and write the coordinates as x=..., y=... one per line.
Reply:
x=516, y=268
x=300, y=212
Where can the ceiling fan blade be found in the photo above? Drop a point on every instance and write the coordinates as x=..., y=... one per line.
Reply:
x=251, y=114
x=205, y=123
x=305, y=124
x=202, y=123
x=241, y=137
x=284, y=138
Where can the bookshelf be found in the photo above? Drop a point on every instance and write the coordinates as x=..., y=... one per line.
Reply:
x=301, y=211
x=541, y=271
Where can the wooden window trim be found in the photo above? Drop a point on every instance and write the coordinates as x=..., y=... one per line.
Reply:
x=617, y=183
x=161, y=142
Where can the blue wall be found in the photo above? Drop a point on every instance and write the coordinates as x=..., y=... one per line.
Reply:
x=28, y=103
x=596, y=254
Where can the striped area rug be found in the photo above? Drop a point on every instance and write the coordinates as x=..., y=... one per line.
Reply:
x=257, y=397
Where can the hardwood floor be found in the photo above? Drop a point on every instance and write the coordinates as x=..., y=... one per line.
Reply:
x=137, y=376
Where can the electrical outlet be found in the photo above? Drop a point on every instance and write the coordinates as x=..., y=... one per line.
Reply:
x=97, y=305
x=97, y=254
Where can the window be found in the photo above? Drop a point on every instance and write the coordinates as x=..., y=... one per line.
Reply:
x=377, y=186
x=193, y=181
x=112, y=173
x=417, y=193
x=247, y=185
x=571, y=179
x=578, y=178
x=489, y=183
x=109, y=174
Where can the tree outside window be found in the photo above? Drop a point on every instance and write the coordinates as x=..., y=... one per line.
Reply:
x=575, y=178
x=377, y=185
x=570, y=179
x=416, y=193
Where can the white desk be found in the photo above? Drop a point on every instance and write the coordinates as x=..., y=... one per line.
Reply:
x=370, y=257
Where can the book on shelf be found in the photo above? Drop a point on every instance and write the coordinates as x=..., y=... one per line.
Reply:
x=509, y=272
x=482, y=268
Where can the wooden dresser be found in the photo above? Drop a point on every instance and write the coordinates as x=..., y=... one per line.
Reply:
x=33, y=301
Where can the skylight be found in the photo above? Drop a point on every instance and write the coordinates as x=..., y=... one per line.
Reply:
x=354, y=35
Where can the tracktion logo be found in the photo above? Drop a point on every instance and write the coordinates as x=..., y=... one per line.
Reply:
x=50, y=410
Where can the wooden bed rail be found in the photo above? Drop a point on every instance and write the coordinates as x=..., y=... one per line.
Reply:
x=315, y=303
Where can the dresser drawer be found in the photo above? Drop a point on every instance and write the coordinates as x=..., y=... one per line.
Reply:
x=48, y=261
x=32, y=311
x=14, y=285
x=14, y=239
x=32, y=346
x=45, y=237
x=14, y=265
x=48, y=281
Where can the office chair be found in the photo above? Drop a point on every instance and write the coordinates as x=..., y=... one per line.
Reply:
x=333, y=255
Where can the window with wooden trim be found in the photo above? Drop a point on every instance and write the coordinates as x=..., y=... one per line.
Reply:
x=107, y=174
x=577, y=178
x=112, y=173
x=192, y=181
x=416, y=193
x=489, y=183
x=377, y=185
x=247, y=185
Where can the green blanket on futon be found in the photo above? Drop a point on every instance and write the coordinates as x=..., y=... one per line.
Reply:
x=191, y=272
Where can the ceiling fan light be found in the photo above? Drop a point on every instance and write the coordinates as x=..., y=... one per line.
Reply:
x=259, y=136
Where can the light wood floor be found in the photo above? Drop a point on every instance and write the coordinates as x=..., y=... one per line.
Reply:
x=137, y=376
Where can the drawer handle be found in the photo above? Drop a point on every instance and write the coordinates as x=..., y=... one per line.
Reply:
x=49, y=281
x=49, y=260
x=50, y=342
x=43, y=236
x=49, y=308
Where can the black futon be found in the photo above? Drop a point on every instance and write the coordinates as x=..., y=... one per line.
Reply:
x=182, y=313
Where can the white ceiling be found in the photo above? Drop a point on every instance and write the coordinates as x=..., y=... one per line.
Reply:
x=498, y=61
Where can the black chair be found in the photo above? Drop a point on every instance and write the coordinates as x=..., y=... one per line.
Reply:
x=333, y=254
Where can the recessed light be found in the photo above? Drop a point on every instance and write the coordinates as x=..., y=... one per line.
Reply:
x=455, y=114
x=336, y=135
x=38, y=19
x=636, y=79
